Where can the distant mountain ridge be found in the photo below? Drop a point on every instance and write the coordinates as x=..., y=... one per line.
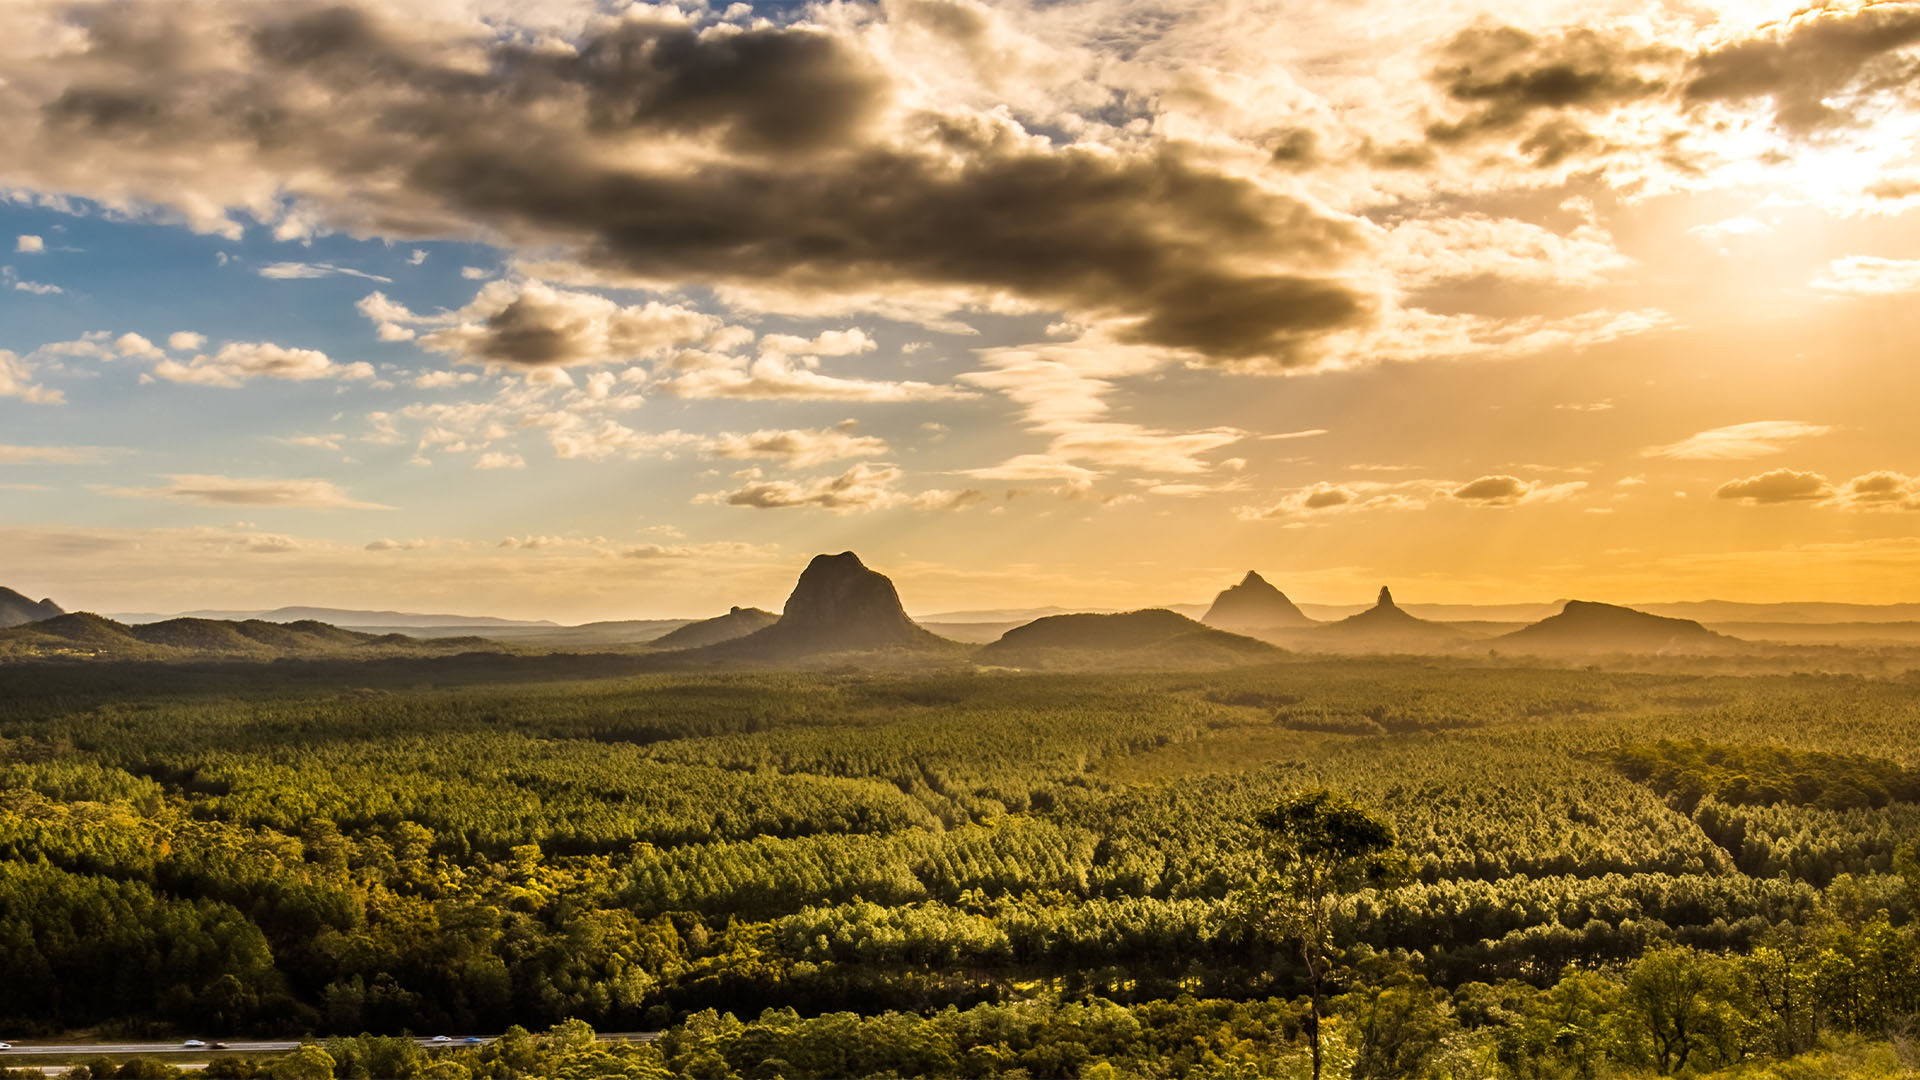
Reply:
x=17, y=610
x=337, y=617
x=83, y=634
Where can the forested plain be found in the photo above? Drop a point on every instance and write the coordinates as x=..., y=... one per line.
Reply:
x=957, y=872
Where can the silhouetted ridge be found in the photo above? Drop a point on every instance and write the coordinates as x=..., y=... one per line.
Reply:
x=1153, y=637
x=1586, y=626
x=84, y=634
x=17, y=610
x=1254, y=605
x=1385, y=627
x=736, y=623
x=838, y=605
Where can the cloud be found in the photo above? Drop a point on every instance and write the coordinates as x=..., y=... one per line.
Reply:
x=799, y=448
x=863, y=487
x=826, y=343
x=497, y=460
x=793, y=158
x=1778, y=486
x=1865, y=275
x=777, y=377
x=16, y=380
x=239, y=361
x=137, y=347
x=1812, y=66
x=29, y=245
x=1062, y=390
x=1720, y=231
x=35, y=288
x=288, y=271
x=1503, y=491
x=51, y=455
x=1738, y=442
x=1883, y=490
x=1430, y=252
x=1035, y=468
x=385, y=544
x=939, y=499
x=532, y=324
x=1511, y=82
x=1337, y=498
x=317, y=442
x=185, y=341
x=249, y=491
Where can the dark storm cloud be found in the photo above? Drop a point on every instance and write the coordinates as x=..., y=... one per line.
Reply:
x=1542, y=90
x=1810, y=59
x=1508, y=77
x=772, y=173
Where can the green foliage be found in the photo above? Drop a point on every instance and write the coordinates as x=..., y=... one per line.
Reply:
x=948, y=865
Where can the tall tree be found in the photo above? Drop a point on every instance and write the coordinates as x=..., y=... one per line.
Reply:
x=1319, y=846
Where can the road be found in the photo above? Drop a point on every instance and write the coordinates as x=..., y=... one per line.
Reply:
x=37, y=1049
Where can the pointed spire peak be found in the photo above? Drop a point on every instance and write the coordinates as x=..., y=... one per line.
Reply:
x=1386, y=597
x=1253, y=578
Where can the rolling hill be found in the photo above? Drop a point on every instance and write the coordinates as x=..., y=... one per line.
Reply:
x=1153, y=637
x=84, y=635
x=1584, y=626
x=736, y=623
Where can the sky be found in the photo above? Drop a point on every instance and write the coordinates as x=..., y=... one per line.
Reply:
x=582, y=311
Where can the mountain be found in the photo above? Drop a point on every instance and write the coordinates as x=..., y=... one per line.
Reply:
x=1719, y=611
x=1385, y=628
x=17, y=610
x=1254, y=605
x=342, y=617
x=86, y=635
x=838, y=605
x=1490, y=614
x=1154, y=637
x=736, y=623
x=1587, y=627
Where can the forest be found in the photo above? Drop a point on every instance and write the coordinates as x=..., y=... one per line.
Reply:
x=949, y=872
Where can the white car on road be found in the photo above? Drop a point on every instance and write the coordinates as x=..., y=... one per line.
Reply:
x=193, y=1044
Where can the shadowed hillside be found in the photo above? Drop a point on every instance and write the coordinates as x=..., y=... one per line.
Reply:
x=1151, y=638
x=837, y=606
x=1587, y=627
x=1253, y=606
x=17, y=610
x=1386, y=628
x=736, y=623
x=84, y=635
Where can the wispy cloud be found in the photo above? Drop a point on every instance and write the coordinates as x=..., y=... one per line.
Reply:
x=52, y=455
x=1865, y=275
x=1738, y=442
x=292, y=271
x=213, y=490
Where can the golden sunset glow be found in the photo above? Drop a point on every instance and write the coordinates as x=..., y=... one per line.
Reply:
x=1087, y=304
